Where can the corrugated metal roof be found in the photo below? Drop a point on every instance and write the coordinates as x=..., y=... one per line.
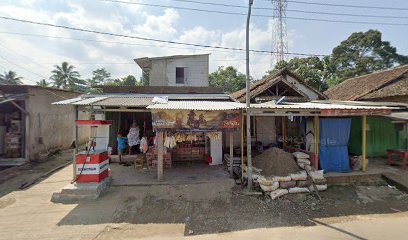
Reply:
x=68, y=101
x=174, y=96
x=197, y=105
x=125, y=102
x=317, y=106
x=399, y=116
x=88, y=101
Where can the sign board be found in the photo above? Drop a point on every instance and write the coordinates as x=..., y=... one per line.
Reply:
x=192, y=119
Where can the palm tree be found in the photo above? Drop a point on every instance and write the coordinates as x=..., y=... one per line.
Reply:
x=43, y=83
x=10, y=78
x=66, y=77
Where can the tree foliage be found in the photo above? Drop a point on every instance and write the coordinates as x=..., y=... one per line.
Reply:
x=64, y=76
x=10, y=78
x=43, y=83
x=361, y=53
x=229, y=79
x=311, y=69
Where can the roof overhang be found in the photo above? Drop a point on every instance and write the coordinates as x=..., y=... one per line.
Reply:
x=319, y=109
x=197, y=105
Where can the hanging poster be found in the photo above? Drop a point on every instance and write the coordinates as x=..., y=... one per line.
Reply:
x=191, y=119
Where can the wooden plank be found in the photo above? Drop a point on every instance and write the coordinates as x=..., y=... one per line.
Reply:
x=363, y=145
x=231, y=153
x=160, y=156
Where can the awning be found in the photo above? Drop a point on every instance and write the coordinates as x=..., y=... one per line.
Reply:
x=401, y=116
x=197, y=105
x=326, y=109
x=108, y=101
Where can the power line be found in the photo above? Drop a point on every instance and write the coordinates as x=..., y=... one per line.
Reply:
x=349, y=6
x=25, y=57
x=17, y=65
x=289, y=10
x=147, y=39
x=256, y=15
x=116, y=42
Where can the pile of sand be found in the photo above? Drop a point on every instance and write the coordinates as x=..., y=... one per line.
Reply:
x=276, y=162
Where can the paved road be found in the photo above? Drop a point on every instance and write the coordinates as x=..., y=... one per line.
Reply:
x=29, y=214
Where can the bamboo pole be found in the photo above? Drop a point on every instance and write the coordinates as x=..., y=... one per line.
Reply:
x=75, y=141
x=231, y=140
x=364, y=143
x=283, y=132
x=316, y=141
x=160, y=156
x=242, y=146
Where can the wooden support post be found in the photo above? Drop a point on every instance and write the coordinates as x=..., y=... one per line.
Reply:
x=283, y=132
x=364, y=143
x=242, y=146
x=316, y=142
x=160, y=159
x=75, y=142
x=231, y=140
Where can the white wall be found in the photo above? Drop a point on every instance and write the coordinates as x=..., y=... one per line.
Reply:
x=302, y=88
x=163, y=72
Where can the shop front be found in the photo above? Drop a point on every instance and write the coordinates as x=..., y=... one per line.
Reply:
x=189, y=132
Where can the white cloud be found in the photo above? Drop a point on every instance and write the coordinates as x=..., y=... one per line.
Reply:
x=116, y=18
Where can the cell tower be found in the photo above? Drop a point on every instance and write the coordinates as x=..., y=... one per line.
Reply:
x=279, y=33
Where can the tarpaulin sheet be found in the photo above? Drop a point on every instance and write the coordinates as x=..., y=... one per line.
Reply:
x=334, y=136
x=382, y=134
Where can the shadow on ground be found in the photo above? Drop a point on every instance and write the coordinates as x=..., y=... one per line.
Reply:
x=216, y=208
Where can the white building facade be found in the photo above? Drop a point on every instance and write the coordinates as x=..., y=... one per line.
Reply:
x=180, y=70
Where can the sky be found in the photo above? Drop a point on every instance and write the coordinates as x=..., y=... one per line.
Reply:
x=33, y=50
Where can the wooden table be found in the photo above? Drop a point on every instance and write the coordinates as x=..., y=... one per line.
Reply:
x=403, y=158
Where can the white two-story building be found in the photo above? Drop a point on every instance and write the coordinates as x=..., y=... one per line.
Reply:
x=179, y=70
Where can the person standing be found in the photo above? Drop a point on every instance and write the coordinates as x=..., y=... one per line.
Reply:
x=134, y=138
x=121, y=145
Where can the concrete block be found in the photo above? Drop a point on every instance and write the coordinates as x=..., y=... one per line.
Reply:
x=77, y=192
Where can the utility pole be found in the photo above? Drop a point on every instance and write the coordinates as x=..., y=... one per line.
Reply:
x=248, y=100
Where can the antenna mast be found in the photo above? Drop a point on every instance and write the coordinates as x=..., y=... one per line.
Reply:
x=279, y=33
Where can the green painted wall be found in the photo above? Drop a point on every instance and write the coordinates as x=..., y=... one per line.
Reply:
x=382, y=134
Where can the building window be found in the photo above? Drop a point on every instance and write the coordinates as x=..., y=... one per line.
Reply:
x=179, y=75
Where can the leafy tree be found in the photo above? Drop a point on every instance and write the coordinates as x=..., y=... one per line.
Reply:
x=64, y=76
x=229, y=79
x=43, y=83
x=144, y=79
x=10, y=78
x=129, y=80
x=100, y=76
x=311, y=69
x=361, y=53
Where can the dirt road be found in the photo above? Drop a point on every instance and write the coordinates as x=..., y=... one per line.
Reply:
x=204, y=211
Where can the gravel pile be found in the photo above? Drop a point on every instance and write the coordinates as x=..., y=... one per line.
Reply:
x=276, y=162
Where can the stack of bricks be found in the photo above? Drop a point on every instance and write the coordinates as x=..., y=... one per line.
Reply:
x=151, y=157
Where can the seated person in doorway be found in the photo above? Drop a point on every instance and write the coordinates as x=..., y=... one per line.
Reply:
x=121, y=144
x=134, y=139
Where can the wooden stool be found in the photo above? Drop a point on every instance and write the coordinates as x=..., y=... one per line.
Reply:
x=139, y=160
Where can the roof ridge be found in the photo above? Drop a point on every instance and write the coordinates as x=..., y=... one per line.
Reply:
x=375, y=72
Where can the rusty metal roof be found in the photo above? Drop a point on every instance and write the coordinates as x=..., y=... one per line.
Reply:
x=125, y=102
x=317, y=106
x=197, y=105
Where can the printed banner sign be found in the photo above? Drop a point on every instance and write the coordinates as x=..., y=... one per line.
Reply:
x=191, y=119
